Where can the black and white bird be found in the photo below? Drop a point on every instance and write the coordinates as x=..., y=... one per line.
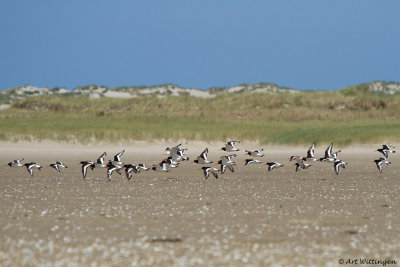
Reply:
x=58, y=166
x=300, y=165
x=208, y=170
x=272, y=165
x=30, y=165
x=230, y=146
x=227, y=162
x=172, y=150
x=379, y=163
x=170, y=162
x=337, y=164
x=250, y=161
x=329, y=155
x=117, y=159
x=15, y=163
x=255, y=153
x=100, y=160
x=296, y=158
x=111, y=168
x=87, y=164
x=310, y=153
x=202, y=159
x=161, y=167
x=129, y=168
x=385, y=150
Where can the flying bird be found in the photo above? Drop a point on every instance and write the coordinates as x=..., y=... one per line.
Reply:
x=379, y=163
x=385, y=150
x=111, y=168
x=15, y=163
x=30, y=165
x=230, y=146
x=272, y=165
x=207, y=171
x=202, y=159
x=100, y=160
x=86, y=164
x=58, y=165
x=337, y=164
x=251, y=161
x=255, y=153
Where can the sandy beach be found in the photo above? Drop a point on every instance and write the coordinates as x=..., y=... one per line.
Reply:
x=249, y=217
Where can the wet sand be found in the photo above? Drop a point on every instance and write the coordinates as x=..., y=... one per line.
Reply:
x=249, y=217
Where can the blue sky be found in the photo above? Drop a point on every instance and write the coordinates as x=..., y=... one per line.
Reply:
x=199, y=44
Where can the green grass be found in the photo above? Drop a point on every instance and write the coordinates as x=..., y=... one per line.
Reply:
x=302, y=118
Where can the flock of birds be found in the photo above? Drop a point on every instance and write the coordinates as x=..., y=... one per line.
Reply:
x=177, y=154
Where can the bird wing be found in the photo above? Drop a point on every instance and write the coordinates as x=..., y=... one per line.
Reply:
x=336, y=166
x=29, y=168
x=378, y=165
x=310, y=152
x=100, y=160
x=298, y=167
x=117, y=157
x=328, y=151
x=223, y=168
x=214, y=173
x=230, y=167
x=232, y=143
x=206, y=173
x=203, y=154
x=84, y=169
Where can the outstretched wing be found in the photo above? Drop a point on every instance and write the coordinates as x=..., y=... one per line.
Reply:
x=100, y=160
x=336, y=166
x=223, y=168
x=206, y=173
x=118, y=156
x=328, y=151
x=310, y=152
x=230, y=167
x=203, y=154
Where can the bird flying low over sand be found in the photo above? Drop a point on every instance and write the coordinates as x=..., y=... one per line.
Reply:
x=226, y=162
x=161, y=167
x=86, y=164
x=337, y=164
x=100, y=160
x=255, y=153
x=208, y=170
x=230, y=146
x=310, y=153
x=15, y=163
x=385, y=150
x=129, y=168
x=117, y=158
x=111, y=168
x=379, y=163
x=251, y=161
x=30, y=165
x=202, y=159
x=272, y=165
x=300, y=164
x=329, y=156
x=296, y=158
x=58, y=166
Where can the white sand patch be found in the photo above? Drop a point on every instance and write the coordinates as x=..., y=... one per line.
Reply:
x=4, y=106
x=116, y=94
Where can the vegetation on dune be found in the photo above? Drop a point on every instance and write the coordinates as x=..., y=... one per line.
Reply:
x=296, y=118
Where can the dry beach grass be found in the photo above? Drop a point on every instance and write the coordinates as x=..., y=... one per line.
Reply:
x=301, y=118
